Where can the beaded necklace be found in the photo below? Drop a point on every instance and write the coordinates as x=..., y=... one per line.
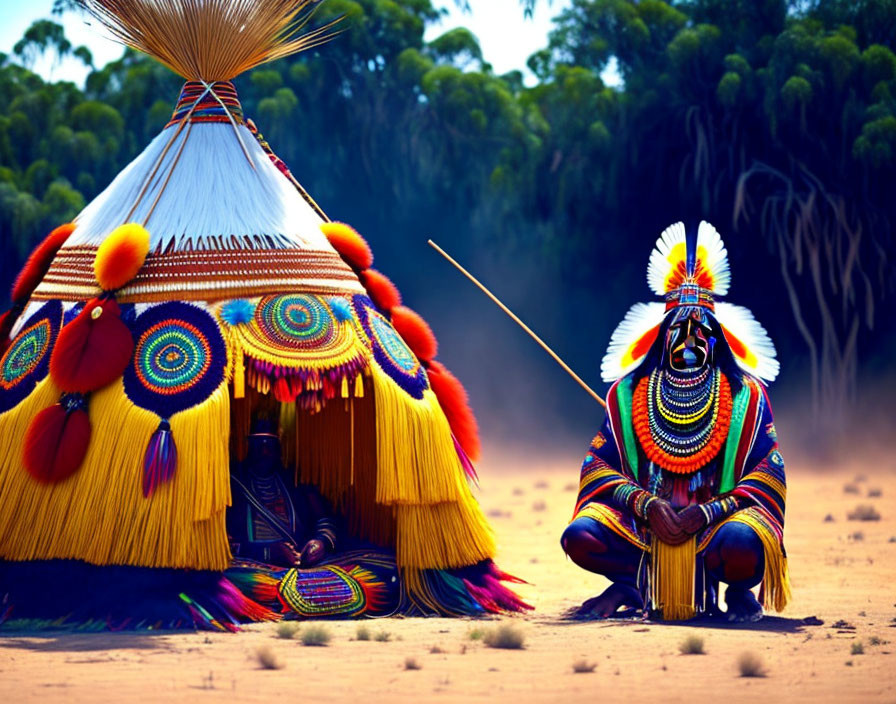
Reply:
x=682, y=418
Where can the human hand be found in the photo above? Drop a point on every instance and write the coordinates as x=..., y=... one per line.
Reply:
x=665, y=523
x=290, y=554
x=312, y=553
x=692, y=519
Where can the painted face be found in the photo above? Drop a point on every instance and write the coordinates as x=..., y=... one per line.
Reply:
x=689, y=340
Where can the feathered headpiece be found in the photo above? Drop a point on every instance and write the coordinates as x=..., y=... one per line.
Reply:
x=689, y=272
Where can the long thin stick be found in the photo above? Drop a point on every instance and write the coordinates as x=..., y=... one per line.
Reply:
x=520, y=323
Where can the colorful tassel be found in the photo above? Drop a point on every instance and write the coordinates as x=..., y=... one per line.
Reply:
x=416, y=333
x=57, y=440
x=672, y=574
x=382, y=291
x=39, y=263
x=454, y=402
x=120, y=256
x=349, y=244
x=93, y=350
x=160, y=459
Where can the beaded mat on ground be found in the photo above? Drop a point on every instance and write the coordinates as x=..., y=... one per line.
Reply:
x=842, y=573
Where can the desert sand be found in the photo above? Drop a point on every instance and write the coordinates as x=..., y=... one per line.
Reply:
x=842, y=572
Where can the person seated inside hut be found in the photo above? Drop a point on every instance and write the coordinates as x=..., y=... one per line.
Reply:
x=273, y=520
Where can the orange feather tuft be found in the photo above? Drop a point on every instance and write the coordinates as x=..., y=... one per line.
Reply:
x=415, y=331
x=120, y=256
x=350, y=245
x=454, y=402
x=39, y=262
x=381, y=290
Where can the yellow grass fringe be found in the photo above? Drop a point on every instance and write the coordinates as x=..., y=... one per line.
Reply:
x=100, y=515
x=442, y=536
x=417, y=462
x=775, y=590
x=14, y=424
x=672, y=569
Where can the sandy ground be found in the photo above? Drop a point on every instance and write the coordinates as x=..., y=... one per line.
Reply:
x=843, y=573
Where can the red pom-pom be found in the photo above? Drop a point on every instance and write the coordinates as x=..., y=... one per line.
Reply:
x=453, y=400
x=381, y=290
x=415, y=331
x=92, y=350
x=56, y=443
x=350, y=245
x=39, y=263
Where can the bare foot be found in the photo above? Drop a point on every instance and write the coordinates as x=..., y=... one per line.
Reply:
x=742, y=606
x=608, y=603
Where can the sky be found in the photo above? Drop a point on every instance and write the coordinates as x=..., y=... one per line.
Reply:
x=506, y=36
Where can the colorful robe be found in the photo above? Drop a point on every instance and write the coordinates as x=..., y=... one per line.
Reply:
x=745, y=482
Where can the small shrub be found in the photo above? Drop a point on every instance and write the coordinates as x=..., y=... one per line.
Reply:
x=864, y=512
x=856, y=536
x=571, y=487
x=750, y=665
x=412, y=664
x=542, y=484
x=383, y=637
x=850, y=489
x=829, y=518
x=436, y=650
x=476, y=634
x=287, y=630
x=857, y=648
x=849, y=663
x=506, y=636
x=518, y=491
x=362, y=633
x=875, y=493
x=315, y=636
x=691, y=645
x=268, y=659
x=874, y=640
x=582, y=666
x=539, y=505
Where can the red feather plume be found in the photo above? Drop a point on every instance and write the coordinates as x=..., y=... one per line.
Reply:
x=350, y=245
x=381, y=290
x=39, y=262
x=56, y=443
x=7, y=320
x=415, y=331
x=453, y=400
x=93, y=350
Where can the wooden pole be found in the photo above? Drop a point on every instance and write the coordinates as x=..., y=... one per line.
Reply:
x=519, y=322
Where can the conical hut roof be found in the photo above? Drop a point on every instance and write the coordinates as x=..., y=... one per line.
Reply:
x=200, y=281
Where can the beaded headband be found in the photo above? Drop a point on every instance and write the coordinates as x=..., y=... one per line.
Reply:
x=687, y=273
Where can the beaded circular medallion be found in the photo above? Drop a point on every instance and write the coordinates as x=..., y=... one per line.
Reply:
x=390, y=352
x=27, y=359
x=298, y=331
x=179, y=359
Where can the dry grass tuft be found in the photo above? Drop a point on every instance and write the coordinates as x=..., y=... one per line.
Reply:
x=362, y=633
x=382, y=637
x=506, y=636
x=268, y=659
x=864, y=512
x=287, y=630
x=315, y=636
x=542, y=484
x=436, y=650
x=850, y=489
x=857, y=648
x=750, y=665
x=539, y=505
x=412, y=664
x=829, y=518
x=518, y=491
x=875, y=493
x=583, y=666
x=476, y=633
x=691, y=645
